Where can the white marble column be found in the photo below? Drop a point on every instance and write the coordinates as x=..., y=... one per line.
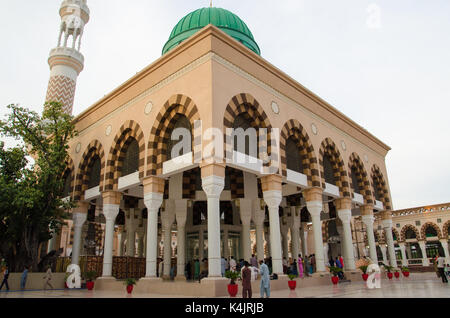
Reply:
x=403, y=249
x=78, y=221
x=152, y=201
x=387, y=225
x=314, y=208
x=245, y=210
x=273, y=200
x=346, y=215
x=425, y=261
x=181, y=216
x=325, y=252
x=167, y=219
x=368, y=222
x=111, y=205
x=304, y=238
x=258, y=218
x=140, y=235
x=383, y=252
x=444, y=244
x=284, y=229
x=295, y=232
x=213, y=186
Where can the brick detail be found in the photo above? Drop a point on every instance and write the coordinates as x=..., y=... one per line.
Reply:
x=61, y=89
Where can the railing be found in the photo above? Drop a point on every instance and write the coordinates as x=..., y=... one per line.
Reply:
x=423, y=209
x=415, y=261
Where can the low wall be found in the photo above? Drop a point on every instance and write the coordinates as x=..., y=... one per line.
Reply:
x=35, y=281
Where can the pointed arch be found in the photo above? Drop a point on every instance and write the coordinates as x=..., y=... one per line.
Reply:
x=379, y=186
x=328, y=147
x=94, y=149
x=247, y=104
x=293, y=128
x=405, y=228
x=424, y=227
x=175, y=107
x=356, y=163
x=398, y=237
x=128, y=132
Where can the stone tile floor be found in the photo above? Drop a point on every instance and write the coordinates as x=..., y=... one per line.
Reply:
x=425, y=285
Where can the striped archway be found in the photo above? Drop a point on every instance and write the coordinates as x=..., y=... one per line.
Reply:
x=309, y=160
x=405, y=228
x=424, y=227
x=173, y=109
x=129, y=131
x=70, y=170
x=356, y=163
x=95, y=148
x=382, y=190
x=445, y=228
x=329, y=148
x=246, y=104
x=397, y=236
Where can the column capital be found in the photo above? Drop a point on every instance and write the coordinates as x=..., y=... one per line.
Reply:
x=82, y=207
x=258, y=216
x=153, y=200
x=314, y=207
x=212, y=169
x=366, y=209
x=386, y=215
x=343, y=204
x=387, y=223
x=213, y=185
x=272, y=198
x=110, y=211
x=79, y=219
x=153, y=184
x=271, y=182
x=402, y=244
x=313, y=194
x=345, y=215
x=111, y=197
x=368, y=219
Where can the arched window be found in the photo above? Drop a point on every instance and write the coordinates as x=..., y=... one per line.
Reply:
x=131, y=161
x=181, y=122
x=410, y=234
x=67, y=185
x=376, y=187
x=355, y=182
x=328, y=170
x=94, y=175
x=293, y=156
x=243, y=121
x=430, y=231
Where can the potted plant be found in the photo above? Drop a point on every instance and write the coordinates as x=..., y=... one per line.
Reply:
x=363, y=268
x=292, y=283
x=405, y=271
x=130, y=282
x=90, y=277
x=389, y=271
x=335, y=270
x=396, y=273
x=232, y=286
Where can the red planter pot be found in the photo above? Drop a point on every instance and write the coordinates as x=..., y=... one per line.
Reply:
x=90, y=285
x=130, y=289
x=233, y=290
x=406, y=274
x=292, y=284
x=335, y=280
x=397, y=274
x=389, y=275
x=65, y=285
x=365, y=276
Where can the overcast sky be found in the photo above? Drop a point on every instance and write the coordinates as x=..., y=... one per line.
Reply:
x=385, y=64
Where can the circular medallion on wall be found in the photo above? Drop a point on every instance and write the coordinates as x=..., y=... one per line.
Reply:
x=314, y=129
x=78, y=148
x=108, y=130
x=344, y=146
x=275, y=108
x=366, y=159
x=148, y=108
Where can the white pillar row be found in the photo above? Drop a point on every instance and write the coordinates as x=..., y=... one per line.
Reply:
x=213, y=185
x=425, y=261
x=111, y=206
x=403, y=249
x=383, y=252
x=273, y=200
x=78, y=220
x=258, y=217
x=153, y=198
x=314, y=208
x=245, y=210
x=167, y=219
x=345, y=215
x=444, y=244
x=181, y=217
x=368, y=220
x=304, y=238
x=387, y=225
x=295, y=232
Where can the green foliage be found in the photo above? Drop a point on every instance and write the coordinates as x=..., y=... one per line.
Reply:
x=335, y=270
x=30, y=201
x=130, y=281
x=232, y=276
x=405, y=269
x=90, y=276
x=388, y=268
x=363, y=268
x=292, y=277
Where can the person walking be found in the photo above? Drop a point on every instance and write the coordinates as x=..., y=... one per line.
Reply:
x=47, y=278
x=311, y=266
x=300, y=266
x=23, y=278
x=440, y=265
x=5, y=278
x=160, y=267
x=246, y=281
x=341, y=260
x=254, y=261
x=232, y=264
x=265, y=279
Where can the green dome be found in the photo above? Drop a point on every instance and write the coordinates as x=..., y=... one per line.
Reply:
x=221, y=18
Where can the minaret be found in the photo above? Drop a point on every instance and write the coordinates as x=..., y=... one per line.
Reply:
x=66, y=62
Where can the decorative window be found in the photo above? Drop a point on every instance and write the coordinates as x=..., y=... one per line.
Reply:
x=131, y=161
x=293, y=156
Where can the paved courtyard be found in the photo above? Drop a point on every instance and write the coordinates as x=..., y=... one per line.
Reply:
x=425, y=285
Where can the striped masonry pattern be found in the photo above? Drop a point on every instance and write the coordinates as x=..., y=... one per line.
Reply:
x=445, y=231
x=363, y=180
x=382, y=187
x=405, y=228
x=61, y=89
x=160, y=133
x=236, y=183
x=129, y=131
x=424, y=227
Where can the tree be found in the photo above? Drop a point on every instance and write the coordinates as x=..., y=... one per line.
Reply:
x=31, y=205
